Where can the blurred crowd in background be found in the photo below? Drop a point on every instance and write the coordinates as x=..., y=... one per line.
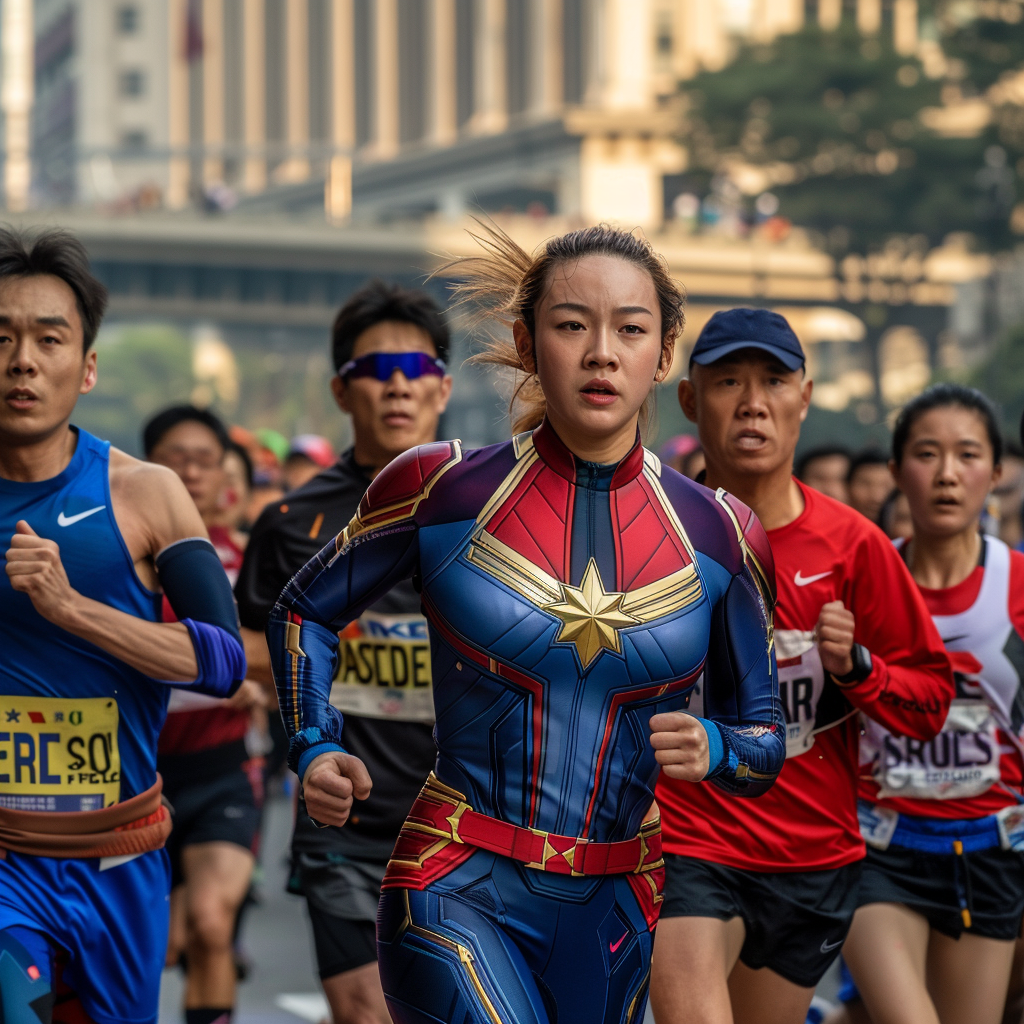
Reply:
x=263, y=465
x=862, y=480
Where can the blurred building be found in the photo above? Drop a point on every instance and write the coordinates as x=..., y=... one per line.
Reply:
x=351, y=138
x=381, y=107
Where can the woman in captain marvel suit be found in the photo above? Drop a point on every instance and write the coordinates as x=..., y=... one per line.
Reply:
x=576, y=592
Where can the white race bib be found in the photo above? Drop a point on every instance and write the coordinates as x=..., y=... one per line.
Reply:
x=1011, y=827
x=801, y=682
x=962, y=761
x=877, y=824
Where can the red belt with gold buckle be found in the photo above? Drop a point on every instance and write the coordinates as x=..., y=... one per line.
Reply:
x=442, y=813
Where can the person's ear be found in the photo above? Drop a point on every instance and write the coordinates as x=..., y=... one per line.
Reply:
x=668, y=351
x=88, y=373
x=444, y=393
x=805, y=398
x=524, y=346
x=688, y=399
x=997, y=475
x=340, y=391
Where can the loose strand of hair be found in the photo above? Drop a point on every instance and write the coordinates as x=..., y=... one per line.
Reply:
x=491, y=291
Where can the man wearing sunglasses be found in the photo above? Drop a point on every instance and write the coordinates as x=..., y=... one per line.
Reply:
x=389, y=349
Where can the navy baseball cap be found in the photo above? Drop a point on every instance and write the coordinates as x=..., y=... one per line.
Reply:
x=730, y=330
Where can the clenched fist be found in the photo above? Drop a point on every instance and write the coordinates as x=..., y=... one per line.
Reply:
x=35, y=568
x=332, y=781
x=834, y=637
x=680, y=746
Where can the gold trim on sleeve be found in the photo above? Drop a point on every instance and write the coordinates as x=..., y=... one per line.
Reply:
x=526, y=457
x=397, y=511
x=669, y=509
x=758, y=570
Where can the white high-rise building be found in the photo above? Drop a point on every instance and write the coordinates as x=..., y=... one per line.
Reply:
x=101, y=119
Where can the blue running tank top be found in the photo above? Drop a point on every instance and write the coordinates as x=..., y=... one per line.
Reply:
x=78, y=727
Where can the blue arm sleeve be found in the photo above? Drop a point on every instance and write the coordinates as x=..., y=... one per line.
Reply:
x=331, y=590
x=741, y=692
x=199, y=594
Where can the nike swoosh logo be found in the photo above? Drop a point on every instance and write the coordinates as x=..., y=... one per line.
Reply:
x=617, y=944
x=828, y=947
x=802, y=581
x=953, y=639
x=63, y=520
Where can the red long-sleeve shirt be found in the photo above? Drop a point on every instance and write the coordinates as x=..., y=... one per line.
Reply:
x=808, y=820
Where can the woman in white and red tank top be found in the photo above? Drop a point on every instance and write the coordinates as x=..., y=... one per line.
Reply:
x=942, y=894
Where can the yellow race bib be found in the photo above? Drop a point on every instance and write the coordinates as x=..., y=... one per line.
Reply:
x=59, y=754
x=384, y=669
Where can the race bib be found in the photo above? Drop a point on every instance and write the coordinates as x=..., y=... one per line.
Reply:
x=801, y=682
x=1011, y=828
x=384, y=669
x=59, y=754
x=877, y=824
x=962, y=761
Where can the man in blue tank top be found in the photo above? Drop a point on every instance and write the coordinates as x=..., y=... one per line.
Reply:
x=93, y=538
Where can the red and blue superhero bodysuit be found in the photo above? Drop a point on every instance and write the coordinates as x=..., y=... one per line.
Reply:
x=568, y=602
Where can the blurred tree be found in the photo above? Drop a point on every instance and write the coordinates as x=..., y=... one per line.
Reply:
x=831, y=123
x=1001, y=377
x=140, y=369
x=144, y=367
x=987, y=36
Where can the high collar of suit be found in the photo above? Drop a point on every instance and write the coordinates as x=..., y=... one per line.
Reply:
x=600, y=476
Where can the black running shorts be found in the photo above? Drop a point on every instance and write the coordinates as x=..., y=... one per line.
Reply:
x=796, y=921
x=990, y=881
x=342, y=896
x=224, y=807
x=342, y=945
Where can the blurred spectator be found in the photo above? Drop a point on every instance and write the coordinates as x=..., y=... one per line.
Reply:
x=826, y=468
x=694, y=464
x=308, y=454
x=266, y=448
x=218, y=198
x=1008, y=495
x=894, y=518
x=869, y=482
x=192, y=442
x=684, y=454
x=273, y=442
x=233, y=506
x=211, y=780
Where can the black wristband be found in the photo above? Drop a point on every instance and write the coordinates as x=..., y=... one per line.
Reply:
x=862, y=667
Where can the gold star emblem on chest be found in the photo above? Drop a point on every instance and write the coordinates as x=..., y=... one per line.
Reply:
x=591, y=616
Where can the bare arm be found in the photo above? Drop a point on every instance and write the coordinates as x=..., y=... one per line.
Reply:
x=257, y=657
x=153, y=509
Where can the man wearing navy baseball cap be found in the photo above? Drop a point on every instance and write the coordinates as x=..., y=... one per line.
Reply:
x=733, y=330
x=759, y=894
x=741, y=354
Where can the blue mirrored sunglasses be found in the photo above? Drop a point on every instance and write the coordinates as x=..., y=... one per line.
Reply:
x=382, y=364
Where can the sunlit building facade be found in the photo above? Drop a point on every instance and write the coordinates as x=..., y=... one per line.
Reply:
x=365, y=131
x=384, y=108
